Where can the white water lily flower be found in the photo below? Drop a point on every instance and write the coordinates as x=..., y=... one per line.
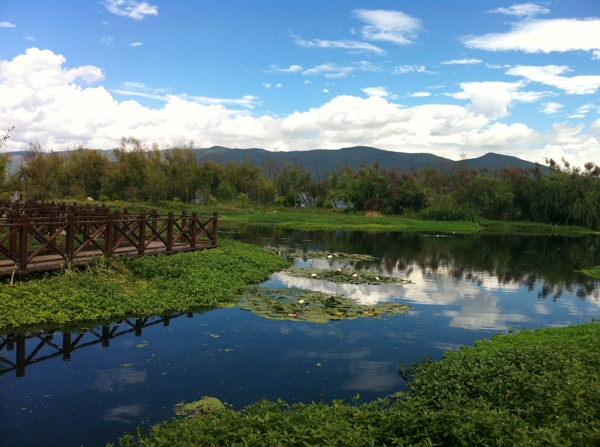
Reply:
x=377, y=278
x=355, y=275
x=313, y=275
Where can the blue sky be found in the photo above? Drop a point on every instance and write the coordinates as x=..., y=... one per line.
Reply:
x=454, y=78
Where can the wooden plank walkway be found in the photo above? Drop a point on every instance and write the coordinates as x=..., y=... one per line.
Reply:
x=36, y=238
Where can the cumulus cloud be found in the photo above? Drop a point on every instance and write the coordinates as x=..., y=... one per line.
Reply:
x=7, y=25
x=388, y=26
x=130, y=8
x=551, y=75
x=522, y=10
x=352, y=45
x=493, y=99
x=63, y=107
x=543, y=36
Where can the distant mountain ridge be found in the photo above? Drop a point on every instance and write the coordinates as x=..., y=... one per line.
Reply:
x=322, y=161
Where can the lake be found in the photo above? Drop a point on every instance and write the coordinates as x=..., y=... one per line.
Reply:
x=62, y=389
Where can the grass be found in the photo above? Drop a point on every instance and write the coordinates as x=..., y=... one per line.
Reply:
x=337, y=219
x=153, y=285
x=531, y=388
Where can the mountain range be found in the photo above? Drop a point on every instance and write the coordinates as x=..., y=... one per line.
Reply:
x=322, y=161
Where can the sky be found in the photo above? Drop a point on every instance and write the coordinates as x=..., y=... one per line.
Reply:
x=456, y=78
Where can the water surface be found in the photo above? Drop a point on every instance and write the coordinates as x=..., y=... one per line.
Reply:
x=89, y=389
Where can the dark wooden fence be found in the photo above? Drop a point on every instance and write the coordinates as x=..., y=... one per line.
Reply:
x=44, y=236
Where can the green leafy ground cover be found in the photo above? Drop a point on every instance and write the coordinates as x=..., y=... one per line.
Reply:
x=594, y=272
x=531, y=388
x=152, y=285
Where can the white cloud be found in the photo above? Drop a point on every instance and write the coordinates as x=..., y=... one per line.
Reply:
x=493, y=99
x=61, y=107
x=462, y=62
x=108, y=41
x=7, y=25
x=340, y=44
x=377, y=91
x=543, y=36
x=551, y=107
x=551, y=75
x=420, y=94
x=331, y=70
x=136, y=44
x=130, y=8
x=403, y=69
x=290, y=69
x=389, y=26
x=500, y=136
x=522, y=10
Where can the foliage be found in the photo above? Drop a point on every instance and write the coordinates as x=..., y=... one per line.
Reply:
x=152, y=285
x=139, y=172
x=532, y=388
x=198, y=408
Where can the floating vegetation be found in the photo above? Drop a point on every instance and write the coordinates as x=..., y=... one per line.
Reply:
x=346, y=276
x=334, y=256
x=312, y=307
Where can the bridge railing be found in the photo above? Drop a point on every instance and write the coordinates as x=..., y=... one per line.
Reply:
x=43, y=241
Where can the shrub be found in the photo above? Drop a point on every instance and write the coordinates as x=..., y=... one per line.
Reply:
x=448, y=214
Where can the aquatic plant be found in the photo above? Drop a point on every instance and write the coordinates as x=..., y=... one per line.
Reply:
x=152, y=285
x=345, y=276
x=314, y=307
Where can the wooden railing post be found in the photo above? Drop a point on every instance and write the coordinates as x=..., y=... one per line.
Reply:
x=215, y=227
x=170, y=232
x=184, y=221
x=108, y=237
x=70, y=237
x=142, y=234
x=23, y=242
x=194, y=230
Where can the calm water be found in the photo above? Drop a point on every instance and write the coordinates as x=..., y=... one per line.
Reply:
x=463, y=288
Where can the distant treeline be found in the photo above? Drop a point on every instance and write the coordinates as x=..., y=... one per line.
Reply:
x=564, y=195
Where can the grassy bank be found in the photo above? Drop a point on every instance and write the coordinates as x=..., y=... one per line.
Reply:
x=152, y=285
x=337, y=219
x=532, y=388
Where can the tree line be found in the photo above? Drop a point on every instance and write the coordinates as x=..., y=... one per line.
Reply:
x=559, y=194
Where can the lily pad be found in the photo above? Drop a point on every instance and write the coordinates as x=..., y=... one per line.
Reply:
x=333, y=256
x=310, y=306
x=344, y=276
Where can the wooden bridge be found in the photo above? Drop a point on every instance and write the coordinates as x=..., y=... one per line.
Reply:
x=38, y=237
x=14, y=355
